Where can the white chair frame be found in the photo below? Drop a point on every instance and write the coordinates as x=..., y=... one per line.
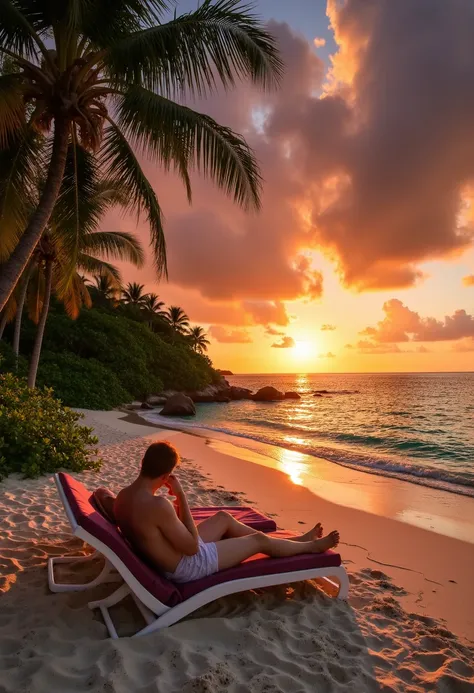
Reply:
x=156, y=614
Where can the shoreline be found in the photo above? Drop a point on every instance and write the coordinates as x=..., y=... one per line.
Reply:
x=406, y=501
x=404, y=627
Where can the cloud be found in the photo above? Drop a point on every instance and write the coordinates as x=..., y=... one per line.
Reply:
x=319, y=42
x=348, y=346
x=327, y=328
x=286, y=343
x=271, y=331
x=369, y=166
x=365, y=346
x=469, y=280
x=264, y=312
x=327, y=355
x=464, y=345
x=220, y=334
x=401, y=324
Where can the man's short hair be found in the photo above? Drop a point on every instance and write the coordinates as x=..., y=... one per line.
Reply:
x=160, y=458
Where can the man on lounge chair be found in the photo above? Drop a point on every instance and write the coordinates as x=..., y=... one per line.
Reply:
x=166, y=533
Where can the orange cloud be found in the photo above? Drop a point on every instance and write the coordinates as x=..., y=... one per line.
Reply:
x=327, y=328
x=327, y=355
x=319, y=42
x=469, y=280
x=286, y=343
x=401, y=324
x=220, y=334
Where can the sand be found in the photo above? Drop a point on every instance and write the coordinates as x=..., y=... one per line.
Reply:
x=398, y=631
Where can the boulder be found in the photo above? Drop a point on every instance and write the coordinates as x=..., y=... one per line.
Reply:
x=146, y=405
x=132, y=406
x=156, y=400
x=221, y=397
x=240, y=393
x=292, y=395
x=222, y=372
x=268, y=394
x=179, y=405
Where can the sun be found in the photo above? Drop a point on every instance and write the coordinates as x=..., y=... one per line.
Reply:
x=302, y=350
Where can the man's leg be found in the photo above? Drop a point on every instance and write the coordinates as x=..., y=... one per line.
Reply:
x=222, y=525
x=231, y=552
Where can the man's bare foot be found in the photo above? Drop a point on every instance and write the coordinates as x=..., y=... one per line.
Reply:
x=328, y=542
x=313, y=534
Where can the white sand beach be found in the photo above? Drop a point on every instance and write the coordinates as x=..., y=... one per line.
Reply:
x=408, y=624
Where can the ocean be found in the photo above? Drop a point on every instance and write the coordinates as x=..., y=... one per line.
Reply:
x=417, y=427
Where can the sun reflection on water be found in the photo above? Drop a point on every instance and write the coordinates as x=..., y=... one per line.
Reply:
x=292, y=463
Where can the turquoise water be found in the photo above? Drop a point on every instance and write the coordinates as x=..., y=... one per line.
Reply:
x=419, y=427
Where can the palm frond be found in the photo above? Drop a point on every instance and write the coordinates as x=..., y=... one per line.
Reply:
x=16, y=32
x=121, y=163
x=222, y=39
x=18, y=179
x=93, y=265
x=116, y=245
x=76, y=296
x=12, y=109
x=173, y=133
x=121, y=18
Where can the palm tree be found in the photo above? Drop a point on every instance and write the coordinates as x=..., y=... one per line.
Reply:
x=61, y=254
x=101, y=77
x=153, y=304
x=177, y=318
x=105, y=286
x=198, y=339
x=133, y=294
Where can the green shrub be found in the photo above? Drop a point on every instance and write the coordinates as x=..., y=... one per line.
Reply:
x=79, y=382
x=8, y=361
x=38, y=435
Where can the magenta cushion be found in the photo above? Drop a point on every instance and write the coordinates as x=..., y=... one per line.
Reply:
x=88, y=518
x=167, y=592
x=248, y=516
x=262, y=565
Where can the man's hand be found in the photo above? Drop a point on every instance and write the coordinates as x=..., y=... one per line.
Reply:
x=174, y=486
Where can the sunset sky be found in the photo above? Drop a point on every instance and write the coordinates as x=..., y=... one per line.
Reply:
x=362, y=256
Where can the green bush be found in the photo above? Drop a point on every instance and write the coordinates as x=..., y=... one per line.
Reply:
x=79, y=382
x=38, y=435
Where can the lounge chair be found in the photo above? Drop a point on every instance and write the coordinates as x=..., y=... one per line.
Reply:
x=160, y=601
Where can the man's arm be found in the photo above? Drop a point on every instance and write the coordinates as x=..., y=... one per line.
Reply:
x=180, y=532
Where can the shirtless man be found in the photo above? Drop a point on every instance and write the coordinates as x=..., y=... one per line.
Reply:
x=166, y=533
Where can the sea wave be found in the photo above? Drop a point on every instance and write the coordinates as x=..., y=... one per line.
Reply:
x=456, y=482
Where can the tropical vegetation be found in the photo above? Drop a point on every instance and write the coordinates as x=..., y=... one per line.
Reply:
x=38, y=435
x=99, y=80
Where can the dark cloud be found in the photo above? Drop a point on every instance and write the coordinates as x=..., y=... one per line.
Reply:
x=327, y=328
x=220, y=334
x=286, y=343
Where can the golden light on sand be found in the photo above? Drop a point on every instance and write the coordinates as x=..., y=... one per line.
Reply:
x=292, y=463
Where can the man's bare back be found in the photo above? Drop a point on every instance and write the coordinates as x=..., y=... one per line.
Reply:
x=139, y=513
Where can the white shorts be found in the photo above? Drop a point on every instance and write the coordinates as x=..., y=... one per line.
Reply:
x=202, y=564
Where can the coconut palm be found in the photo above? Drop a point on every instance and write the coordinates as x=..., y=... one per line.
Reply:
x=101, y=76
x=198, y=339
x=61, y=254
x=153, y=304
x=133, y=294
x=105, y=286
x=177, y=318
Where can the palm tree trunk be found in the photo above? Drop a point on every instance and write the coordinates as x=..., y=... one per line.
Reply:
x=19, y=313
x=35, y=356
x=3, y=323
x=14, y=267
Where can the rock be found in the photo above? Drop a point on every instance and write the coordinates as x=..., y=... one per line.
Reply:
x=292, y=395
x=240, y=393
x=224, y=372
x=179, y=405
x=221, y=398
x=268, y=394
x=145, y=405
x=132, y=406
x=156, y=400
